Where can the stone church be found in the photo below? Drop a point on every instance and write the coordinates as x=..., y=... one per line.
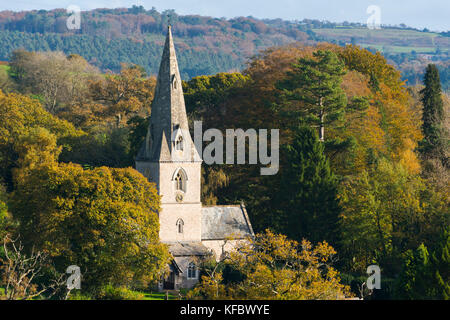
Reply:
x=169, y=158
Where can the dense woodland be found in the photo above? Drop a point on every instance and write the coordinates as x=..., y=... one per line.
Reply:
x=364, y=177
x=206, y=45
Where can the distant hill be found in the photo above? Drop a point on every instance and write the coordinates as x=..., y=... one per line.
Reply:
x=205, y=45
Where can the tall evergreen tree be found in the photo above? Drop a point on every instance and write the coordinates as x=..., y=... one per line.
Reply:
x=426, y=275
x=433, y=145
x=308, y=190
x=440, y=259
x=316, y=83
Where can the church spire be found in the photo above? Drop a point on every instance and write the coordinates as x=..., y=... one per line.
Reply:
x=168, y=114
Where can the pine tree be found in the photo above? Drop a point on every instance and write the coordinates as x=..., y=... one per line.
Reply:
x=317, y=84
x=433, y=144
x=308, y=190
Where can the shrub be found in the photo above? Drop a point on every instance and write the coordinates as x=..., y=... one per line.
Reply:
x=110, y=292
x=78, y=295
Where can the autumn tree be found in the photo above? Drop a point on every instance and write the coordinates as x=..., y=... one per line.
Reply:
x=126, y=94
x=60, y=80
x=24, y=114
x=272, y=267
x=103, y=220
x=391, y=126
x=316, y=83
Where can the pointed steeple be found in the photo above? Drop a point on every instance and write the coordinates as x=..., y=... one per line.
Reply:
x=168, y=114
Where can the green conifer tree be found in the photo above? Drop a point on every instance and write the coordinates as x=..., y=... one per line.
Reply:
x=308, y=190
x=316, y=83
x=433, y=144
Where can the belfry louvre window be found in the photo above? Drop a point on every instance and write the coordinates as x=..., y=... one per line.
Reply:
x=179, y=144
x=180, y=180
x=192, y=271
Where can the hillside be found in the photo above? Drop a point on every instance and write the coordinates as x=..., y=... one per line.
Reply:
x=206, y=45
x=388, y=40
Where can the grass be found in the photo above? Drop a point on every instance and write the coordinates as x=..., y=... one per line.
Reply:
x=400, y=49
x=380, y=33
x=157, y=296
x=386, y=40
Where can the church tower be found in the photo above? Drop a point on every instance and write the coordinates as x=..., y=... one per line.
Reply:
x=169, y=158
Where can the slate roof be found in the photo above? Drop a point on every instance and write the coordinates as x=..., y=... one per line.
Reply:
x=190, y=248
x=221, y=222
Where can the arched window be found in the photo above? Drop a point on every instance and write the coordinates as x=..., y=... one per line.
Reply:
x=192, y=271
x=180, y=225
x=179, y=143
x=180, y=179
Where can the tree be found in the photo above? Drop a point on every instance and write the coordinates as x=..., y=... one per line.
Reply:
x=6, y=83
x=103, y=220
x=17, y=61
x=20, y=271
x=205, y=95
x=387, y=211
x=434, y=144
x=307, y=198
x=425, y=275
x=317, y=84
x=213, y=179
x=23, y=115
x=5, y=217
x=103, y=146
x=440, y=259
x=127, y=93
x=272, y=267
x=61, y=81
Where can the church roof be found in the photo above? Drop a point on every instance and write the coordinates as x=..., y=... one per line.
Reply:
x=222, y=222
x=188, y=248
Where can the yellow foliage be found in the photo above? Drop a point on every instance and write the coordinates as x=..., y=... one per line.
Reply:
x=103, y=220
x=274, y=267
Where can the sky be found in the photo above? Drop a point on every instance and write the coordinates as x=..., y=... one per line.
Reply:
x=430, y=14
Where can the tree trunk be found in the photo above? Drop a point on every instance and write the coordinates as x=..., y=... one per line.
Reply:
x=322, y=126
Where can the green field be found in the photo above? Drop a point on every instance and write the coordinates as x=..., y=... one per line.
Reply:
x=380, y=33
x=399, y=49
x=388, y=40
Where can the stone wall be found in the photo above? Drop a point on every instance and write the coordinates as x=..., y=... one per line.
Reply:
x=218, y=247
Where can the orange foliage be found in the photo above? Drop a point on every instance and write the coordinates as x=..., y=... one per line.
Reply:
x=389, y=127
